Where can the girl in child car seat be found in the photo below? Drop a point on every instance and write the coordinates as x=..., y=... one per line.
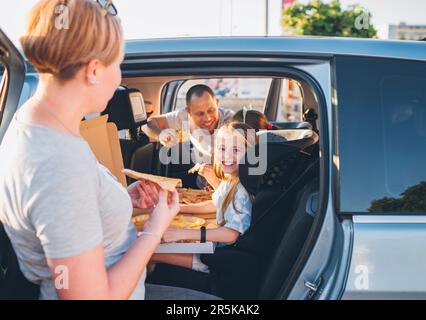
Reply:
x=231, y=201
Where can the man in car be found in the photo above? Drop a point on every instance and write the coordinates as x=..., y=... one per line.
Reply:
x=198, y=121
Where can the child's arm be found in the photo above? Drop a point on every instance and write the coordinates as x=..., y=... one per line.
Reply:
x=221, y=234
x=201, y=207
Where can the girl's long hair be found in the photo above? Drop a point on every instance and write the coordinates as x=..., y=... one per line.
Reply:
x=233, y=179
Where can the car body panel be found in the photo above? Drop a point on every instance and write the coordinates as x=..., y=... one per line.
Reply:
x=324, y=256
x=389, y=258
x=299, y=46
x=13, y=61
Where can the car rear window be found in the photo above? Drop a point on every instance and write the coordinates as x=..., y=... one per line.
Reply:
x=381, y=112
x=233, y=93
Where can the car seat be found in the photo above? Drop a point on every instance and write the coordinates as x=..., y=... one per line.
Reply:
x=137, y=151
x=237, y=270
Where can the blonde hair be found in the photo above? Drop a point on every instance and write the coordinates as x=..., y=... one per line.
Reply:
x=63, y=49
x=234, y=179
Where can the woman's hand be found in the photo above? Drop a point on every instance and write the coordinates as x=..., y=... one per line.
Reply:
x=173, y=235
x=144, y=194
x=165, y=210
x=207, y=171
x=134, y=194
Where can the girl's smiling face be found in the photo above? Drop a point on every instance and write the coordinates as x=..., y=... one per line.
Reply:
x=230, y=148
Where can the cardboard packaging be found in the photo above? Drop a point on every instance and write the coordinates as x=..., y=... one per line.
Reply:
x=102, y=137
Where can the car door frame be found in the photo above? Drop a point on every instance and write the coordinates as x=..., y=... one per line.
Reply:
x=12, y=82
x=172, y=64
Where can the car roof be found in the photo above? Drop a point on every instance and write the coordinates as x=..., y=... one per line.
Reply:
x=310, y=46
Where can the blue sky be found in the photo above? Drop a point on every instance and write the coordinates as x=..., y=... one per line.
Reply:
x=169, y=18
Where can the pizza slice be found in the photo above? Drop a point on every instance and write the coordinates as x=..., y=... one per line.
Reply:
x=166, y=183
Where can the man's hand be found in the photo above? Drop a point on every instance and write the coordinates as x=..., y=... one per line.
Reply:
x=168, y=137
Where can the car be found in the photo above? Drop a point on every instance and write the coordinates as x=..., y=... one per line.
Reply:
x=350, y=220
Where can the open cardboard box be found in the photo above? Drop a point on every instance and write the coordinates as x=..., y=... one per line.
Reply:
x=102, y=137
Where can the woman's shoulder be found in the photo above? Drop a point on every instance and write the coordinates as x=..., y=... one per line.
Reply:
x=35, y=150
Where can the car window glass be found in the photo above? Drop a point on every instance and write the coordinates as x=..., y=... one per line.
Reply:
x=382, y=135
x=290, y=103
x=233, y=93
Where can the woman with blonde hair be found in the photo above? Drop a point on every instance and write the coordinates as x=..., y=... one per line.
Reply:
x=68, y=218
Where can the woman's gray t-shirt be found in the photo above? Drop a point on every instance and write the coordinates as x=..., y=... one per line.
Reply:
x=58, y=201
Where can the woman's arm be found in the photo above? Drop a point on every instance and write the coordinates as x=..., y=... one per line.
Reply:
x=201, y=207
x=84, y=276
x=221, y=234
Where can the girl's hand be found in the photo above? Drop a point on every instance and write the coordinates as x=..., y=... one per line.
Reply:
x=207, y=171
x=173, y=235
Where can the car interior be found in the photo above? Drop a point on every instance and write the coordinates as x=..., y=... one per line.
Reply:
x=285, y=198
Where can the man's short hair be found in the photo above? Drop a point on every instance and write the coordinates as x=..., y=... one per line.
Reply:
x=198, y=90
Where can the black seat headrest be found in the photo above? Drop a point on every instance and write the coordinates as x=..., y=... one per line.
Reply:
x=292, y=125
x=126, y=109
x=279, y=156
x=301, y=138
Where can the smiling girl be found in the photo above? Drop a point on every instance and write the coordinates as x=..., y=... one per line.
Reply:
x=231, y=201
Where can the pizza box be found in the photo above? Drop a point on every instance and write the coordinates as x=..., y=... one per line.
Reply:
x=186, y=247
x=207, y=216
x=102, y=137
x=179, y=247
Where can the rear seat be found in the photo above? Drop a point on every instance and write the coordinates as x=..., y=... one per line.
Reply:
x=238, y=270
x=137, y=152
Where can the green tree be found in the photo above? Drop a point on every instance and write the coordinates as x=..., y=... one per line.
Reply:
x=327, y=19
x=412, y=200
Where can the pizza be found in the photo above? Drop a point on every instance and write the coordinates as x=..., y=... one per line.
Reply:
x=190, y=196
x=139, y=221
x=180, y=221
x=187, y=222
x=166, y=183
